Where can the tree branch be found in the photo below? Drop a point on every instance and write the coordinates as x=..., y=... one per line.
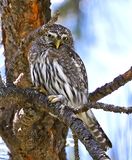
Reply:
x=110, y=87
x=78, y=127
x=105, y=107
x=15, y=95
x=76, y=149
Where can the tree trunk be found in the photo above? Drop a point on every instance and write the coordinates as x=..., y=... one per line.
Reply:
x=27, y=137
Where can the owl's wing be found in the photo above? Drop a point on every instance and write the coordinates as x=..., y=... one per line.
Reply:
x=38, y=47
x=72, y=66
x=81, y=67
x=74, y=69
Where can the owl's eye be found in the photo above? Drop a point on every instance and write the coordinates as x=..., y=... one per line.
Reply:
x=64, y=37
x=51, y=35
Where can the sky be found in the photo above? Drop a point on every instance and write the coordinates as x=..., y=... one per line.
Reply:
x=105, y=47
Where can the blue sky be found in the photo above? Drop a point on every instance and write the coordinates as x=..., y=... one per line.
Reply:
x=105, y=47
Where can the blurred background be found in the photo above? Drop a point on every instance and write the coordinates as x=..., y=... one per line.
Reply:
x=102, y=32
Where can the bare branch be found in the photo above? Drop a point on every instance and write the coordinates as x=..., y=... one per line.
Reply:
x=1, y=82
x=15, y=95
x=67, y=115
x=110, y=87
x=76, y=149
x=105, y=107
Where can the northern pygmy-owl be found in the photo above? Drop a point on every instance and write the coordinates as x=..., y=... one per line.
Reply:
x=55, y=66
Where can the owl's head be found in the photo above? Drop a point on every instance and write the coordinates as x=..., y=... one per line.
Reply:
x=58, y=35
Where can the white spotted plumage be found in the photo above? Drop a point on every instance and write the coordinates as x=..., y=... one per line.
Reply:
x=60, y=71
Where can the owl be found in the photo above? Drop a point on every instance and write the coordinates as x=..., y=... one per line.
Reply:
x=58, y=69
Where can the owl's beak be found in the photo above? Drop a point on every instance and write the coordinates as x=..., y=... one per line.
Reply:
x=57, y=43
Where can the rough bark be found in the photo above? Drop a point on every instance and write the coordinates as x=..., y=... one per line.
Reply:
x=27, y=137
x=28, y=115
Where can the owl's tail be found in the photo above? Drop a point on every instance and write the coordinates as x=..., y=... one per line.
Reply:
x=95, y=129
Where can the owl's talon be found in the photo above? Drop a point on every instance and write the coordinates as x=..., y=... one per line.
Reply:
x=56, y=98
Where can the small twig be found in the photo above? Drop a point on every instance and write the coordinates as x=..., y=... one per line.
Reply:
x=76, y=150
x=105, y=107
x=1, y=82
x=18, y=79
x=108, y=88
x=54, y=18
